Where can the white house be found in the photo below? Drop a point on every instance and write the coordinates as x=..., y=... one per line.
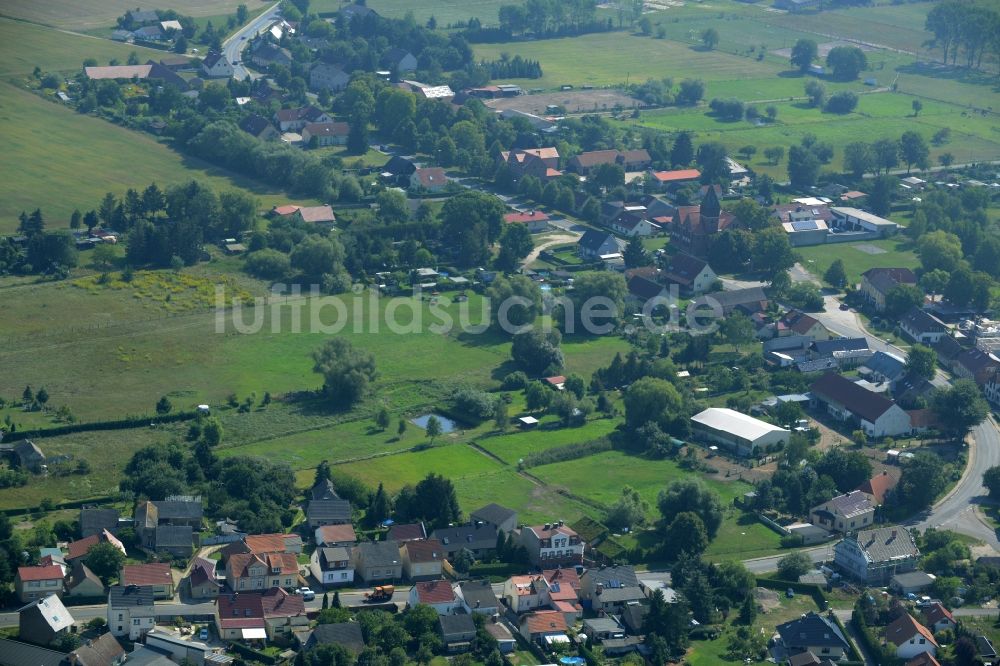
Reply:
x=130, y=611
x=328, y=76
x=923, y=327
x=691, y=274
x=216, y=66
x=332, y=566
x=877, y=415
x=875, y=556
x=525, y=593
x=438, y=594
x=844, y=513
x=739, y=433
x=910, y=637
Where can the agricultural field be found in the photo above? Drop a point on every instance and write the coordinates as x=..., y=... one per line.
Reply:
x=445, y=12
x=859, y=257
x=52, y=145
x=90, y=14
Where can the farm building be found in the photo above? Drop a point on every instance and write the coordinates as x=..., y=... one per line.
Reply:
x=739, y=433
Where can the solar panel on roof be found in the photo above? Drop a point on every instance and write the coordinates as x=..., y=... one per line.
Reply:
x=804, y=225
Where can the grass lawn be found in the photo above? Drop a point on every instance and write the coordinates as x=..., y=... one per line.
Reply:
x=456, y=461
x=443, y=11
x=513, y=446
x=82, y=157
x=898, y=253
x=90, y=14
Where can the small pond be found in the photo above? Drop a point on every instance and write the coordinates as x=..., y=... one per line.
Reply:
x=447, y=425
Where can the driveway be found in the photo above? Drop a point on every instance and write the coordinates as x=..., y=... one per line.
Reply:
x=561, y=239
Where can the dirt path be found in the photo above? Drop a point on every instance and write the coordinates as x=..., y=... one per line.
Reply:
x=561, y=239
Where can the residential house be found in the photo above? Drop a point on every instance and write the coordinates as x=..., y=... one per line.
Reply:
x=332, y=565
x=878, y=487
x=43, y=620
x=330, y=77
x=877, y=282
x=748, y=300
x=148, y=33
x=457, y=632
x=675, y=178
x=398, y=60
x=270, y=54
x=596, y=245
x=175, y=540
x=105, y=650
x=321, y=216
x=813, y=633
x=496, y=516
x=293, y=120
x=923, y=327
x=599, y=629
x=564, y=592
x=215, y=66
x=630, y=223
x=505, y=639
x=94, y=521
x=130, y=611
x=586, y=162
x=422, y=559
x=16, y=653
x=438, y=594
x=542, y=163
x=535, y=220
x=737, y=432
x=544, y=627
x=844, y=352
x=641, y=290
x=691, y=274
x=525, y=593
x=347, y=634
x=84, y=583
x=693, y=227
x=796, y=322
x=844, y=513
x=875, y=556
x=883, y=367
x=402, y=532
x=910, y=637
x=155, y=574
x=991, y=388
x=28, y=456
x=910, y=582
x=202, y=581
x=480, y=540
x=326, y=134
x=332, y=511
x=875, y=414
x=260, y=127
x=336, y=535
x=613, y=600
x=476, y=596
x=552, y=544
x=975, y=364
x=938, y=618
x=610, y=588
x=377, y=561
x=431, y=179
x=32, y=583
x=637, y=159
x=168, y=525
x=259, y=571
x=256, y=615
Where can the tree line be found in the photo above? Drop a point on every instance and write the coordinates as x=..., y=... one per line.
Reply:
x=967, y=29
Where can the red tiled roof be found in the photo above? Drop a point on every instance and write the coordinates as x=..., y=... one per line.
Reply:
x=51, y=572
x=407, y=532
x=595, y=157
x=81, y=547
x=434, y=591
x=337, y=533
x=156, y=573
x=531, y=216
x=563, y=584
x=555, y=381
x=285, y=210
x=677, y=175
x=266, y=543
x=936, y=613
x=544, y=622
x=906, y=627
x=878, y=486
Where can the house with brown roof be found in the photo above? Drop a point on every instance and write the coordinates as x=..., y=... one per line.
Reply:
x=877, y=282
x=630, y=223
x=422, y=559
x=975, y=364
x=691, y=274
x=938, y=618
x=431, y=179
x=438, y=594
x=105, y=650
x=326, y=134
x=875, y=414
x=642, y=289
x=923, y=659
x=258, y=570
x=402, y=532
x=542, y=627
x=586, y=162
x=31, y=583
x=878, y=487
x=552, y=544
x=535, y=220
x=542, y=163
x=336, y=535
x=318, y=215
x=293, y=120
x=202, y=581
x=244, y=616
x=81, y=547
x=693, y=227
x=910, y=638
x=155, y=574
x=796, y=322
x=637, y=159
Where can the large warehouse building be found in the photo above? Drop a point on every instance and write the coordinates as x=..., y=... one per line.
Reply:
x=736, y=432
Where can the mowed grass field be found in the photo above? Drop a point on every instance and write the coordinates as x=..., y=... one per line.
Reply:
x=445, y=12
x=51, y=149
x=90, y=14
x=858, y=258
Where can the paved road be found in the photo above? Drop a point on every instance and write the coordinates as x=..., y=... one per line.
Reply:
x=761, y=565
x=232, y=48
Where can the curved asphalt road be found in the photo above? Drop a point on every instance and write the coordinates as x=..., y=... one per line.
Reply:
x=232, y=48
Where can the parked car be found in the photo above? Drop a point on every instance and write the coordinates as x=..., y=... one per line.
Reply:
x=307, y=594
x=203, y=634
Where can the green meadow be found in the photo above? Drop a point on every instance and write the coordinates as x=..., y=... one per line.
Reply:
x=896, y=253
x=90, y=14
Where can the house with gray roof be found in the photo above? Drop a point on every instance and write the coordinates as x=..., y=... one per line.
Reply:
x=28, y=456
x=43, y=620
x=747, y=301
x=104, y=650
x=480, y=540
x=874, y=556
x=883, y=367
x=130, y=610
x=813, y=633
x=16, y=653
x=500, y=517
x=610, y=588
x=457, y=631
x=94, y=521
x=844, y=513
x=377, y=561
x=477, y=597
x=347, y=634
x=923, y=327
x=328, y=512
x=596, y=244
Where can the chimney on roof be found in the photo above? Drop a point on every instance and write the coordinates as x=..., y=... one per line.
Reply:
x=547, y=526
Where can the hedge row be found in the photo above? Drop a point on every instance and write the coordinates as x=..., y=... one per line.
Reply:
x=872, y=644
x=120, y=424
x=567, y=452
